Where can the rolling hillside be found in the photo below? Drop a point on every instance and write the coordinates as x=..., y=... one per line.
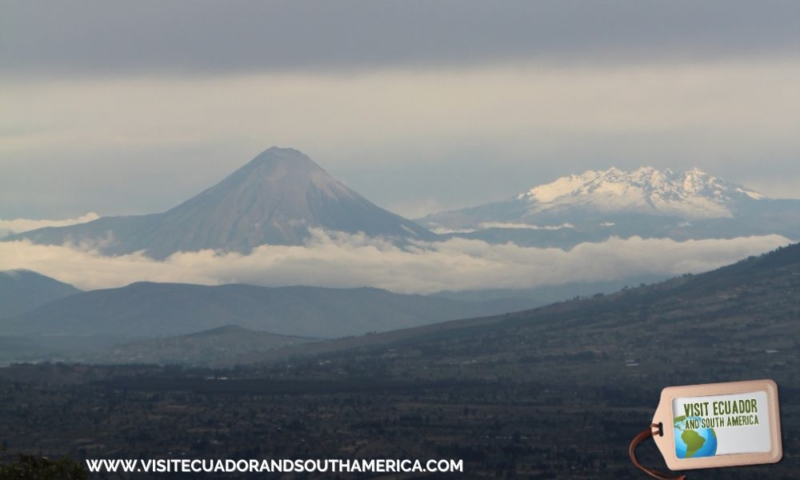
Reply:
x=24, y=290
x=153, y=310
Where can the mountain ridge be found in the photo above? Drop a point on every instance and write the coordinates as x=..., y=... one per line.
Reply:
x=147, y=309
x=24, y=290
x=660, y=191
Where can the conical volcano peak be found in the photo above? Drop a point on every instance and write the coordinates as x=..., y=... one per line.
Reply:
x=281, y=155
x=281, y=160
x=288, y=171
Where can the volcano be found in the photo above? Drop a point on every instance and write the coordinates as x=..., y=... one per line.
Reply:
x=275, y=199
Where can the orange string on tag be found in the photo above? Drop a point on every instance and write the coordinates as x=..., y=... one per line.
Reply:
x=632, y=452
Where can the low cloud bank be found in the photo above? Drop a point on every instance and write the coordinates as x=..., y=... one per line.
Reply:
x=341, y=260
x=19, y=225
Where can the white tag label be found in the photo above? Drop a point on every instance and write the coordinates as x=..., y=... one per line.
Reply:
x=719, y=425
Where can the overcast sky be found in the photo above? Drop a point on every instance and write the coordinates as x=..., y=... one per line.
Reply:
x=132, y=107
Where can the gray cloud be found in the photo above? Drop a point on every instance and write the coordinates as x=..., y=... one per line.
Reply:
x=19, y=225
x=91, y=37
x=132, y=107
x=456, y=264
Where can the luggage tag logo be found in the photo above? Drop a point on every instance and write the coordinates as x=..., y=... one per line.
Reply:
x=716, y=425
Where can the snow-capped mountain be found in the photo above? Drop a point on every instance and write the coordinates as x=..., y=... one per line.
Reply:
x=690, y=195
x=274, y=199
x=647, y=202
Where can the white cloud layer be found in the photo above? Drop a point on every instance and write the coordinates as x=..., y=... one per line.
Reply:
x=19, y=225
x=338, y=260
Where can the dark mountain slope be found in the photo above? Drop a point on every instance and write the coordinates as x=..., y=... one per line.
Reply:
x=729, y=315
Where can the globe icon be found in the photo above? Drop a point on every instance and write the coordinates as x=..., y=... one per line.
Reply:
x=694, y=442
